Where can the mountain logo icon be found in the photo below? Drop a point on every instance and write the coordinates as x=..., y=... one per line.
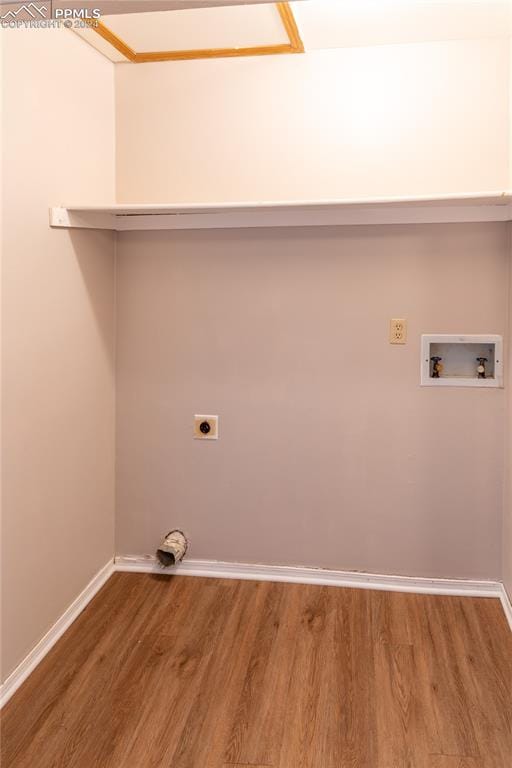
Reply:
x=29, y=9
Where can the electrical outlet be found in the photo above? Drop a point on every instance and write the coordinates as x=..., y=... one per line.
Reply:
x=206, y=427
x=398, y=331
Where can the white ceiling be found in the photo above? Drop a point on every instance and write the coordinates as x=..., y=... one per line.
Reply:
x=322, y=23
x=350, y=23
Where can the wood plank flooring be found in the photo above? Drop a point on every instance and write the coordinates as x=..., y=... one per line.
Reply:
x=205, y=673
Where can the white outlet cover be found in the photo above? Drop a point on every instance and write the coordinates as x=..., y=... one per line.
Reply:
x=213, y=422
x=398, y=324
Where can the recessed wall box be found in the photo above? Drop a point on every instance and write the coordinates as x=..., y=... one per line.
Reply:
x=461, y=360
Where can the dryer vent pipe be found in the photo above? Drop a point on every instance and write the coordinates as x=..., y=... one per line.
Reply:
x=172, y=549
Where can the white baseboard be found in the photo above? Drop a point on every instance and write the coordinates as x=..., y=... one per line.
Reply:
x=37, y=654
x=301, y=575
x=506, y=603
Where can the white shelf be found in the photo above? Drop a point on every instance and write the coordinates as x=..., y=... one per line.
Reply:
x=496, y=206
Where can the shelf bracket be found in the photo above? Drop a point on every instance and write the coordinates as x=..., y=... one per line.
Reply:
x=63, y=218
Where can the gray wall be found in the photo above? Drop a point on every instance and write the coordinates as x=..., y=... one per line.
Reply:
x=507, y=507
x=330, y=453
x=57, y=332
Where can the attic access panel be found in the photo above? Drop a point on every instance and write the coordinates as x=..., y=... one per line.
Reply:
x=203, y=32
x=461, y=360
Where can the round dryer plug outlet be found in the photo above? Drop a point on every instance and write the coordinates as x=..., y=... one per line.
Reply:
x=206, y=427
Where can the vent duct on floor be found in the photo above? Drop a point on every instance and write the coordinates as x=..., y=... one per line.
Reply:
x=172, y=549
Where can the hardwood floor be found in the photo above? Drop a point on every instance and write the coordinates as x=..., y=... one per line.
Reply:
x=205, y=673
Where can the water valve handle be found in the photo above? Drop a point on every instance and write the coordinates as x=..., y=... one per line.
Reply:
x=481, y=367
